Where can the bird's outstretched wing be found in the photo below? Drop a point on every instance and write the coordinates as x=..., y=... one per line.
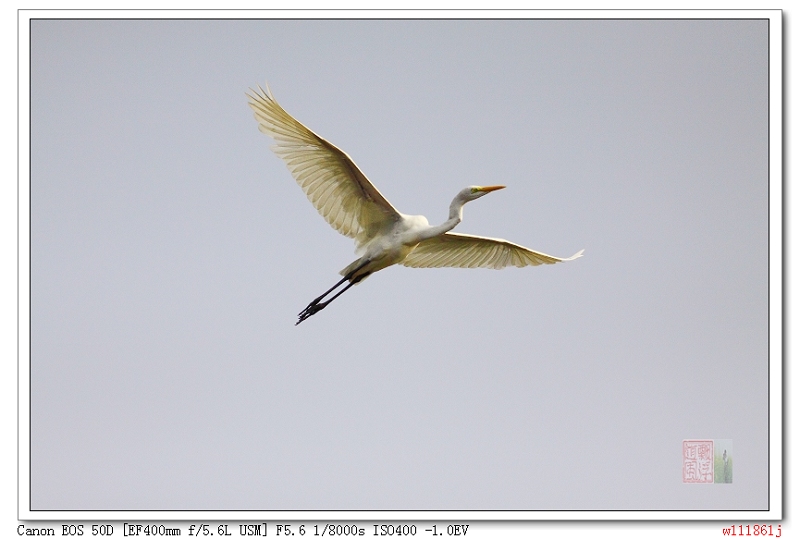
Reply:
x=330, y=179
x=452, y=250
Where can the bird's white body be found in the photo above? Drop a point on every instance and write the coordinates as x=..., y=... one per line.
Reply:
x=354, y=207
x=391, y=247
x=383, y=251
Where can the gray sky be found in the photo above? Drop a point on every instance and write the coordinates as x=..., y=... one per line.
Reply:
x=171, y=251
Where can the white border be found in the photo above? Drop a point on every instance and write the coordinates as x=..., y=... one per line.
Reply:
x=775, y=275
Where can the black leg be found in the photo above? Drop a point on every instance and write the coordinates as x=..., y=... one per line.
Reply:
x=331, y=289
x=317, y=307
x=317, y=304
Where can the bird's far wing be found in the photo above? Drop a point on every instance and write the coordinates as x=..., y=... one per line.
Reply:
x=330, y=179
x=452, y=250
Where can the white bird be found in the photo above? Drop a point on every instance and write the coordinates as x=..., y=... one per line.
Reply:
x=349, y=202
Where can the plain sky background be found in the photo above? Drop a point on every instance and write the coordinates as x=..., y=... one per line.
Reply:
x=171, y=251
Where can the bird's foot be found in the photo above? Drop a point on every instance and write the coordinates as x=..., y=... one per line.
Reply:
x=313, y=308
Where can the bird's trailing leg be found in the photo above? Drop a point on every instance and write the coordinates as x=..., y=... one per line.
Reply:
x=316, y=305
x=331, y=289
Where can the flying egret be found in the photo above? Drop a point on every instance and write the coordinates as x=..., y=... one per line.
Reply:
x=349, y=202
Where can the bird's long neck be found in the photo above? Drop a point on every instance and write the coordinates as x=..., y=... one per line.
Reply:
x=456, y=214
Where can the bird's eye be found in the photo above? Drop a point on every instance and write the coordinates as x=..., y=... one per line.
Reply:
x=474, y=190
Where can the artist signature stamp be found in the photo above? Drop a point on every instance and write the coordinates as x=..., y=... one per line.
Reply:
x=698, y=461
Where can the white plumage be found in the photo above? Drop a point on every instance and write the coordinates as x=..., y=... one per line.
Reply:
x=347, y=200
x=452, y=250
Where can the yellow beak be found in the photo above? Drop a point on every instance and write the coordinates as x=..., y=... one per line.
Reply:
x=490, y=188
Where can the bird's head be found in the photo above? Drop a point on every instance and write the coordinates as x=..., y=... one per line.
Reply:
x=469, y=194
x=476, y=191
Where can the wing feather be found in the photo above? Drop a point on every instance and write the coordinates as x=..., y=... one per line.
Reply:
x=466, y=251
x=339, y=191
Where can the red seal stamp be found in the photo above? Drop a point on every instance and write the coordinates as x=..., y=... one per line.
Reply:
x=698, y=461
